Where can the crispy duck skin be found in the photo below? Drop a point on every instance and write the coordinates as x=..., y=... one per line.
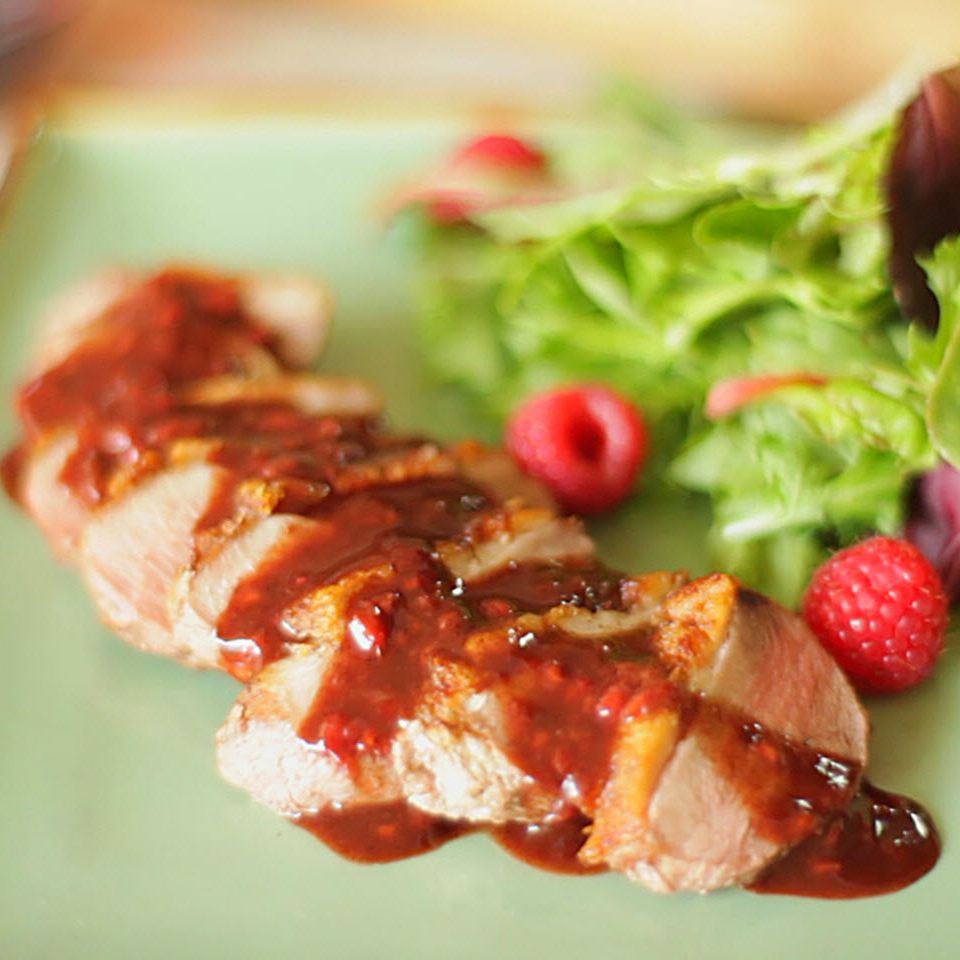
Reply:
x=670, y=667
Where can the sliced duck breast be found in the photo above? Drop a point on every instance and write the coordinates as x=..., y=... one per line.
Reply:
x=49, y=501
x=133, y=550
x=262, y=747
x=414, y=623
x=695, y=826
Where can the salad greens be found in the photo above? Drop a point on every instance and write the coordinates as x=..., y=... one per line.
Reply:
x=699, y=266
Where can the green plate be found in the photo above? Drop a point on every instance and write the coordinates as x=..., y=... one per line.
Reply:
x=117, y=837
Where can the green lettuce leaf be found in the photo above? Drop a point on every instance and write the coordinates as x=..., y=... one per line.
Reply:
x=715, y=258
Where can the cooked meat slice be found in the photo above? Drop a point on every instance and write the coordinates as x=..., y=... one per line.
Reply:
x=669, y=818
x=450, y=757
x=641, y=597
x=203, y=591
x=392, y=467
x=700, y=834
x=132, y=551
x=495, y=470
x=75, y=314
x=620, y=835
x=51, y=503
x=745, y=650
x=311, y=394
x=296, y=308
x=260, y=750
x=515, y=534
x=773, y=670
x=696, y=829
x=86, y=310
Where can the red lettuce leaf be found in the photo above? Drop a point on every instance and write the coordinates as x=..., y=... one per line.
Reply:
x=923, y=189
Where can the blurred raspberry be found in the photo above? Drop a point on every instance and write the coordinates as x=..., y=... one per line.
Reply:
x=487, y=172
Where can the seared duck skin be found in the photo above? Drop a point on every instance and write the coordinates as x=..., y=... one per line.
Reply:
x=414, y=624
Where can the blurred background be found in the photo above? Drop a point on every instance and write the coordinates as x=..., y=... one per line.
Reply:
x=777, y=59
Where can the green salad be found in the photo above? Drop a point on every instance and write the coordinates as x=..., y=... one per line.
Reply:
x=713, y=256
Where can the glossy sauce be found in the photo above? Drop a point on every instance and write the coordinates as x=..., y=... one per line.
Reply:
x=388, y=525
x=881, y=843
x=549, y=846
x=563, y=701
x=540, y=586
x=382, y=832
x=563, y=698
x=790, y=790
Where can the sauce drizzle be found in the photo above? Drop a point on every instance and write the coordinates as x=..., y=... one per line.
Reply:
x=551, y=846
x=881, y=843
x=381, y=833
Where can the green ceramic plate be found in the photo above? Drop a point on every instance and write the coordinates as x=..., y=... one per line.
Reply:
x=117, y=837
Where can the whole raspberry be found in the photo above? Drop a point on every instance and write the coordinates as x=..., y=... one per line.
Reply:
x=585, y=443
x=879, y=607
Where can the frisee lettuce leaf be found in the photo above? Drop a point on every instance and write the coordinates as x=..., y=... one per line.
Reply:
x=702, y=266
